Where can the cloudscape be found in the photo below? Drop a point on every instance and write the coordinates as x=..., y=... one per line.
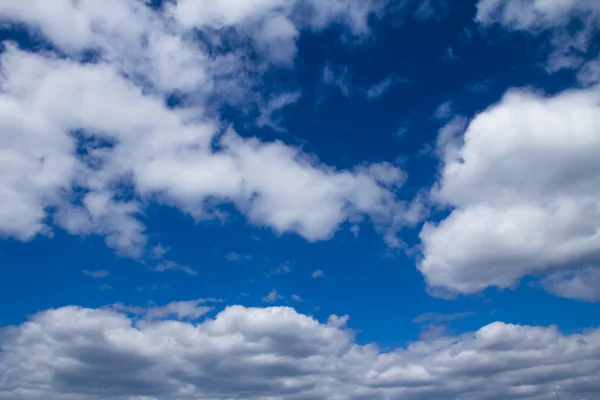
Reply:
x=299, y=199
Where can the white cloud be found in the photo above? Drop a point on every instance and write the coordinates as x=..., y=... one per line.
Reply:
x=97, y=274
x=532, y=15
x=280, y=269
x=444, y=110
x=318, y=274
x=179, y=310
x=296, y=298
x=431, y=9
x=583, y=284
x=379, y=89
x=167, y=265
x=569, y=41
x=273, y=106
x=182, y=309
x=256, y=353
x=272, y=297
x=338, y=77
x=523, y=188
x=102, y=145
x=233, y=256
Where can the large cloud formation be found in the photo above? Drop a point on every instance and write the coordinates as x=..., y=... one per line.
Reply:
x=523, y=182
x=525, y=192
x=89, y=138
x=275, y=353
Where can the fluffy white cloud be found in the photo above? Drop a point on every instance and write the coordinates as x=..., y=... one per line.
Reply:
x=253, y=353
x=89, y=146
x=524, y=188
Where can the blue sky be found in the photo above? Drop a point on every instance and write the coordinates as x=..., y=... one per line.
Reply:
x=243, y=175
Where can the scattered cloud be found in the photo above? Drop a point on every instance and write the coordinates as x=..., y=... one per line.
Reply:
x=97, y=274
x=269, y=113
x=482, y=86
x=402, y=130
x=173, y=266
x=431, y=9
x=272, y=297
x=450, y=54
x=318, y=274
x=187, y=157
x=181, y=310
x=338, y=77
x=440, y=318
x=435, y=325
x=280, y=269
x=444, y=110
x=379, y=89
x=572, y=25
x=159, y=251
x=296, y=298
x=277, y=352
x=105, y=288
x=233, y=256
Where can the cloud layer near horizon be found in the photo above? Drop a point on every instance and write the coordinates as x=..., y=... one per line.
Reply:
x=266, y=353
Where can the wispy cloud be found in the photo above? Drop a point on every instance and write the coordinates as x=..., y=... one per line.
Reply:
x=318, y=274
x=379, y=89
x=97, y=274
x=272, y=297
x=181, y=310
x=270, y=113
x=172, y=265
x=444, y=110
x=280, y=269
x=338, y=77
x=233, y=256
x=435, y=325
x=482, y=86
x=159, y=251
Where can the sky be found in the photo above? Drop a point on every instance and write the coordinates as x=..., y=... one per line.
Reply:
x=299, y=199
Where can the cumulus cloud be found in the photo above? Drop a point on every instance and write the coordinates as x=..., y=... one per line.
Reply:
x=523, y=189
x=88, y=146
x=255, y=353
